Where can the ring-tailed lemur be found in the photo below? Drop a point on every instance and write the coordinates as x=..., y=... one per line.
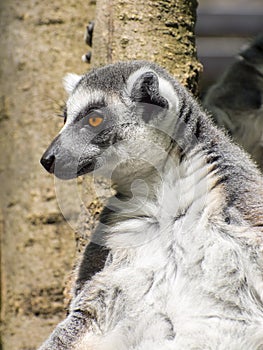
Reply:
x=236, y=100
x=184, y=231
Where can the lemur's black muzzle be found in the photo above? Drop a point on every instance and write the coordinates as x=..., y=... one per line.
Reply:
x=49, y=157
x=66, y=160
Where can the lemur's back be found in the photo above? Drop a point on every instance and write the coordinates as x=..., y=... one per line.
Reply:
x=236, y=100
x=182, y=238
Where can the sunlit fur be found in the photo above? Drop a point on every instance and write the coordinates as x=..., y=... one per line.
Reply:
x=184, y=269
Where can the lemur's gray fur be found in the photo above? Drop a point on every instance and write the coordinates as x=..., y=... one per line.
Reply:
x=183, y=235
x=236, y=100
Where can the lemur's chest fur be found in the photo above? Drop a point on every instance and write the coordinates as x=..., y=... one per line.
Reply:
x=176, y=270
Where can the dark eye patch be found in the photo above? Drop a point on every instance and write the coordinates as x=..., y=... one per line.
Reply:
x=97, y=108
x=94, y=120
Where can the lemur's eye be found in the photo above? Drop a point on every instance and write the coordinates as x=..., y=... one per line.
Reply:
x=95, y=120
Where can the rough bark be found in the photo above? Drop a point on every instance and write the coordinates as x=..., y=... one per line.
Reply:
x=160, y=31
x=40, y=41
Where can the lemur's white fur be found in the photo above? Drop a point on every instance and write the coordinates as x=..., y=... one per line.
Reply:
x=184, y=277
x=80, y=100
x=70, y=81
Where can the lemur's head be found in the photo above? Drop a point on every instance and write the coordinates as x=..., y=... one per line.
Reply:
x=121, y=111
x=253, y=53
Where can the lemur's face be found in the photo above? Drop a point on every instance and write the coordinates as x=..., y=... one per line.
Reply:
x=110, y=114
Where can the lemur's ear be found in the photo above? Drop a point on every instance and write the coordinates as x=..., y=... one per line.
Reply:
x=70, y=81
x=146, y=89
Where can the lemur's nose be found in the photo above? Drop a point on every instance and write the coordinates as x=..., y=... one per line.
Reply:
x=49, y=157
x=48, y=161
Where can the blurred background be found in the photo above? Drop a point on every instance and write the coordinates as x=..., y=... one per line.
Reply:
x=223, y=28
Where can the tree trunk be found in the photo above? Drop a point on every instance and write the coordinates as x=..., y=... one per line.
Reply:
x=40, y=41
x=159, y=31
